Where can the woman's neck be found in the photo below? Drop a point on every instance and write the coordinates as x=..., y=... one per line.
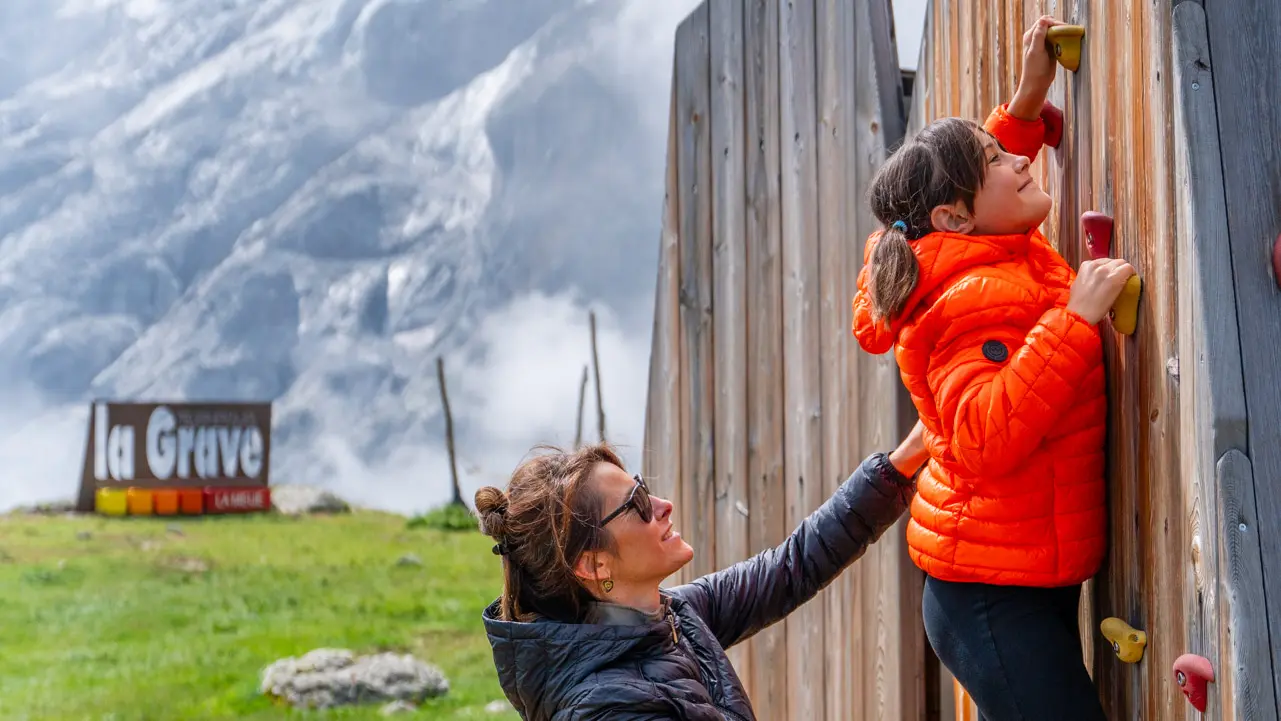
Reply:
x=644, y=599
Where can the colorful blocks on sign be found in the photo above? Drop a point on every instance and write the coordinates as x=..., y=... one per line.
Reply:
x=140, y=502
x=165, y=501
x=111, y=501
x=191, y=501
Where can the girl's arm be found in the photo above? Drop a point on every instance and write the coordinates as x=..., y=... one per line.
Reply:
x=1017, y=125
x=739, y=601
x=998, y=392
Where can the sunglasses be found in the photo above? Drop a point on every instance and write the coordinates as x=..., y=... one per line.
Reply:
x=638, y=500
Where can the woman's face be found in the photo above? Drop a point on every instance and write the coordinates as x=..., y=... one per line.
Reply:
x=645, y=552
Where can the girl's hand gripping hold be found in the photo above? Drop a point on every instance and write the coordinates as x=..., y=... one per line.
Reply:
x=1097, y=287
x=1039, y=68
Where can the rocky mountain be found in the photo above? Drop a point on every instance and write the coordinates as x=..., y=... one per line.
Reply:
x=308, y=201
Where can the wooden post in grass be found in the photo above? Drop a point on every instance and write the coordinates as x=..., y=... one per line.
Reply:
x=600, y=408
x=582, y=400
x=449, y=431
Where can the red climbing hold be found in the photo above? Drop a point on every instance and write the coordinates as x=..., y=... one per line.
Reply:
x=1276, y=261
x=1053, y=119
x=1192, y=673
x=1098, y=233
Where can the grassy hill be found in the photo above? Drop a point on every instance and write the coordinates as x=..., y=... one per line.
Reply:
x=138, y=619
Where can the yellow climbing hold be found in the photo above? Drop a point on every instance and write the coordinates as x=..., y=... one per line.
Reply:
x=1127, y=641
x=1125, y=310
x=1065, y=41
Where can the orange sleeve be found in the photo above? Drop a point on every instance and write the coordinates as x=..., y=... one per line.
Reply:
x=1021, y=137
x=874, y=337
x=998, y=394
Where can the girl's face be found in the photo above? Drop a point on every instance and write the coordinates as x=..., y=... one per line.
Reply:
x=646, y=551
x=1010, y=201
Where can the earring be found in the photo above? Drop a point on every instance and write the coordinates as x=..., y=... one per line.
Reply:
x=608, y=585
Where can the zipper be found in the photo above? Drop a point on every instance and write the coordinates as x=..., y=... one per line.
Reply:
x=726, y=712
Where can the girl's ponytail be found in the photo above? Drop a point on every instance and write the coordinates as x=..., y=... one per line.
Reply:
x=944, y=163
x=894, y=274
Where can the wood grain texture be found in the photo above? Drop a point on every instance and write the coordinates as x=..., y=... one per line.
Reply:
x=661, y=461
x=767, y=682
x=1247, y=82
x=729, y=292
x=834, y=351
x=802, y=390
x=1120, y=155
x=1212, y=392
x=693, y=90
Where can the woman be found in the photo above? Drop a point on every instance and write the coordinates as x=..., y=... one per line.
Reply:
x=583, y=631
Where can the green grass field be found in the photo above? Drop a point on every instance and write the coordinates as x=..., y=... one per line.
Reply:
x=133, y=619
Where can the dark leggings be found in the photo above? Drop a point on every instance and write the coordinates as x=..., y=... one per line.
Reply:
x=1016, y=650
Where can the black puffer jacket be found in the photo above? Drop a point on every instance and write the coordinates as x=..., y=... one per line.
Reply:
x=676, y=668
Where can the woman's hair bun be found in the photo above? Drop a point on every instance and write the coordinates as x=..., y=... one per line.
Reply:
x=491, y=508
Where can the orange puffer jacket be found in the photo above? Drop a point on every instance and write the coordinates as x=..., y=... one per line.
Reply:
x=1010, y=387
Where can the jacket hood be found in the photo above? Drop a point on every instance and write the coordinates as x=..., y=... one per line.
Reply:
x=541, y=663
x=941, y=256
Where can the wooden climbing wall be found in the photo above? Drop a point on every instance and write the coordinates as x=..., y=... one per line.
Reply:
x=760, y=400
x=1171, y=127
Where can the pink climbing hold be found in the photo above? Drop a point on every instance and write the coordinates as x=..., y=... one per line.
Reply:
x=1098, y=233
x=1053, y=119
x=1192, y=673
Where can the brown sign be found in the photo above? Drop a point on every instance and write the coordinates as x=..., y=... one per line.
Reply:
x=175, y=445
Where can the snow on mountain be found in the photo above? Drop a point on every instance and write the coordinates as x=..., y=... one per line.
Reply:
x=308, y=201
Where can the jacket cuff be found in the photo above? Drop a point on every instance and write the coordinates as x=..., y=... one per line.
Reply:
x=1019, y=136
x=880, y=470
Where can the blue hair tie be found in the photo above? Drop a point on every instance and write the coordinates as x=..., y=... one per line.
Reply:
x=899, y=225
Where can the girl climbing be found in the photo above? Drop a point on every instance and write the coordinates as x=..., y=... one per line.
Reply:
x=995, y=339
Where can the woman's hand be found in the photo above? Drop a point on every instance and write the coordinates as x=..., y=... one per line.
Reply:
x=1039, y=67
x=910, y=454
x=1097, y=286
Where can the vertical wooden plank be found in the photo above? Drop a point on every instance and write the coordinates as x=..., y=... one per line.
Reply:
x=767, y=502
x=863, y=158
x=697, y=383
x=729, y=290
x=801, y=382
x=1223, y=589
x=965, y=59
x=1245, y=61
x=834, y=350
x=1166, y=541
x=1243, y=634
x=889, y=583
x=1121, y=582
x=663, y=434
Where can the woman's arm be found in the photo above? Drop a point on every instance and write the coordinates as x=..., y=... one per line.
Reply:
x=739, y=601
